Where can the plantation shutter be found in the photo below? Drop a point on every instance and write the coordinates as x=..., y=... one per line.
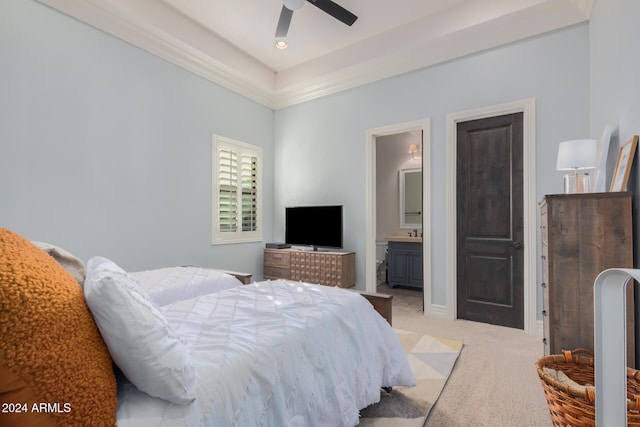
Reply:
x=228, y=197
x=249, y=193
x=237, y=195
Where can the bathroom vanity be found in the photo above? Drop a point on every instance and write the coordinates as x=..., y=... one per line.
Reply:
x=404, y=261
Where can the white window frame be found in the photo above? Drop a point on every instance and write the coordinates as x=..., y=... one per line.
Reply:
x=241, y=149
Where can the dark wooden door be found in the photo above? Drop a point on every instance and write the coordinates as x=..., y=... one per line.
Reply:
x=490, y=229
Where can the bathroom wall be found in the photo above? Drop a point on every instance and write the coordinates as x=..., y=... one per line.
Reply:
x=392, y=155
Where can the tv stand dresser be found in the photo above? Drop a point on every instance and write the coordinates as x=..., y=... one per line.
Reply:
x=324, y=268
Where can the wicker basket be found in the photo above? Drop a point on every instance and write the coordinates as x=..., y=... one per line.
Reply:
x=570, y=406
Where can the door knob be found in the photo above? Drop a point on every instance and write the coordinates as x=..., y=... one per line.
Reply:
x=516, y=245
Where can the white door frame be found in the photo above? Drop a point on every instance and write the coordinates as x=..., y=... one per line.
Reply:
x=423, y=125
x=528, y=108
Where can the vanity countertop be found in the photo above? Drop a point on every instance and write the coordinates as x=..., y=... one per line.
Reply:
x=404, y=239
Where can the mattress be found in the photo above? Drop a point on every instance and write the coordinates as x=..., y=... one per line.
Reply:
x=276, y=353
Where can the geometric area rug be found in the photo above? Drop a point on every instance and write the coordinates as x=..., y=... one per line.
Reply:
x=431, y=359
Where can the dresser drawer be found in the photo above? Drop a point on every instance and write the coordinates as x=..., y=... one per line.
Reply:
x=276, y=258
x=544, y=232
x=271, y=272
x=322, y=268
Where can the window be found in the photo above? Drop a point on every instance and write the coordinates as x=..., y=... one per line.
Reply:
x=237, y=195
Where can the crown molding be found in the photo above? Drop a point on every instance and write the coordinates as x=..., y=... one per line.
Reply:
x=106, y=17
x=428, y=44
x=585, y=7
x=542, y=18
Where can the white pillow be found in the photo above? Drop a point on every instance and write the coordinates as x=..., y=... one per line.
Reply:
x=168, y=285
x=140, y=340
x=70, y=262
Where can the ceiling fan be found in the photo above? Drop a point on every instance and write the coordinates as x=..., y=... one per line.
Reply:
x=327, y=6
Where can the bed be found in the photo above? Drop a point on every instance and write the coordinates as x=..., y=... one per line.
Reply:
x=196, y=347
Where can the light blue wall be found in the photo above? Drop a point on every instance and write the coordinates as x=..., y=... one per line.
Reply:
x=320, y=144
x=106, y=149
x=615, y=83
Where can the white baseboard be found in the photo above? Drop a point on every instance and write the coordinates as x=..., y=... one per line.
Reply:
x=439, y=311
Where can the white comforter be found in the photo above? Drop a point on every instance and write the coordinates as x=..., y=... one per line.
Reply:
x=276, y=354
x=167, y=285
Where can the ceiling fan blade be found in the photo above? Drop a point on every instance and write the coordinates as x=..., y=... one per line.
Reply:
x=335, y=10
x=284, y=22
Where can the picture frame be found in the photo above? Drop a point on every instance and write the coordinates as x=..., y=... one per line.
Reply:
x=599, y=180
x=623, y=165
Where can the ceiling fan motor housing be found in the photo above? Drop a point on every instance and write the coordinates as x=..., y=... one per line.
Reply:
x=294, y=4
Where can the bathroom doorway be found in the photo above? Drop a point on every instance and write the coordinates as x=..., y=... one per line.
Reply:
x=396, y=156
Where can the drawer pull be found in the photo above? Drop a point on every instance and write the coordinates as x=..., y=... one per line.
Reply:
x=544, y=313
x=543, y=284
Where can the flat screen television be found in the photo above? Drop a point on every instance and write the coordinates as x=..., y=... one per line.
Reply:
x=317, y=226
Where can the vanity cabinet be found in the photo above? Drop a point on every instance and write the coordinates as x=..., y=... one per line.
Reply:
x=404, y=264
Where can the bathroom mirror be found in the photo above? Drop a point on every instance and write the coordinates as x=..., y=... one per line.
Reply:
x=411, y=198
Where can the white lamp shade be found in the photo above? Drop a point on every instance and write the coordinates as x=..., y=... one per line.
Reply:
x=577, y=154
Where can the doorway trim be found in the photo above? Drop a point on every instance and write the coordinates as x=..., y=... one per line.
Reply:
x=527, y=107
x=423, y=125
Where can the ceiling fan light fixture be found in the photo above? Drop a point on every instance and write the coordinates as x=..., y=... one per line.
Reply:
x=327, y=6
x=294, y=4
x=281, y=44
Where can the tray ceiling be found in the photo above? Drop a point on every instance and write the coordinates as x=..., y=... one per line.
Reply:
x=232, y=42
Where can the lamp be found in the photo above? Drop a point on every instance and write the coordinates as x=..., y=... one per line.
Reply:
x=413, y=149
x=577, y=155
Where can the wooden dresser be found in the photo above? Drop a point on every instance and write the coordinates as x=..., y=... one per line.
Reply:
x=582, y=235
x=324, y=268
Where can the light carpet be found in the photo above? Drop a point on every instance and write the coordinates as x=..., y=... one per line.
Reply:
x=431, y=359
